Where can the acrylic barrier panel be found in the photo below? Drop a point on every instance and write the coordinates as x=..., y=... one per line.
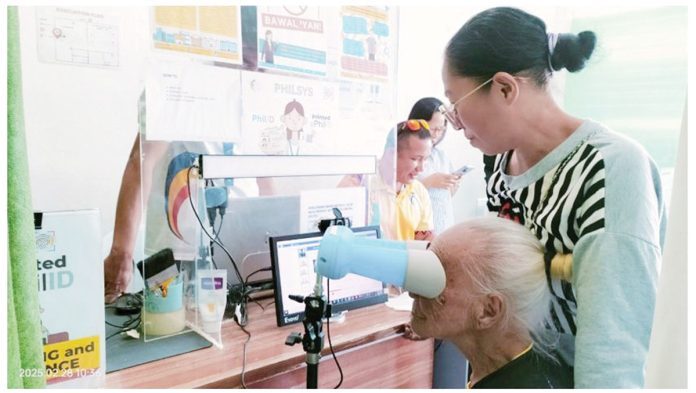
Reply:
x=183, y=215
x=178, y=205
x=183, y=287
x=348, y=111
x=176, y=247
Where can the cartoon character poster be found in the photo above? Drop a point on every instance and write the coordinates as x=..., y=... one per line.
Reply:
x=288, y=116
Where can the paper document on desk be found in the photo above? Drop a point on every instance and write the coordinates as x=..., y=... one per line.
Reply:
x=316, y=205
x=402, y=302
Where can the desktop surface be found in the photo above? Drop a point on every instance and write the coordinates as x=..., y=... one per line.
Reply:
x=369, y=344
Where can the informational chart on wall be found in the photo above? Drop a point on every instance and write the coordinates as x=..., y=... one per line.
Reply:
x=368, y=43
x=292, y=38
x=77, y=36
x=288, y=116
x=210, y=32
x=192, y=102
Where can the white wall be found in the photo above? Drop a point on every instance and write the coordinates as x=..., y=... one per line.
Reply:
x=667, y=359
x=81, y=121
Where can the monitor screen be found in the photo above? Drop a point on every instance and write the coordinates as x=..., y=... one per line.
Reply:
x=293, y=258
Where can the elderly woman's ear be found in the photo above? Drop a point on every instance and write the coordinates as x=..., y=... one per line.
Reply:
x=489, y=311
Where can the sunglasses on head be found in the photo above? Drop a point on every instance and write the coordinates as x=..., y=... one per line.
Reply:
x=415, y=125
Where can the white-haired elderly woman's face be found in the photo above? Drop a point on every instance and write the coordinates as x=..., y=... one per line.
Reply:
x=453, y=313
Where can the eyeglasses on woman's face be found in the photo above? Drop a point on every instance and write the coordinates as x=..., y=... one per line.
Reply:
x=438, y=123
x=450, y=112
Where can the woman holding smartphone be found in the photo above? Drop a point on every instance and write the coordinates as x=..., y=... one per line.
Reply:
x=438, y=175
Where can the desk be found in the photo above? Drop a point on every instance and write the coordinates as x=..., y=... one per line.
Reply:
x=369, y=345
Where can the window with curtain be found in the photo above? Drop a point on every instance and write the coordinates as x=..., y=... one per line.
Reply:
x=636, y=80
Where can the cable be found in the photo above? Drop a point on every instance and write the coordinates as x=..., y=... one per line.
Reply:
x=239, y=297
x=263, y=269
x=244, y=353
x=188, y=185
x=242, y=299
x=217, y=236
x=124, y=327
x=112, y=325
x=244, y=294
x=259, y=304
x=328, y=332
x=114, y=334
x=195, y=212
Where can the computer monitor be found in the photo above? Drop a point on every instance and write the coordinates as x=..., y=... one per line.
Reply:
x=293, y=258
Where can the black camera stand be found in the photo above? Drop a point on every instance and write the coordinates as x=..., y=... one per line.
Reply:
x=313, y=339
x=315, y=309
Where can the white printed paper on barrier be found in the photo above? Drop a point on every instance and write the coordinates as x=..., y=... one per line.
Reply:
x=288, y=116
x=191, y=102
x=292, y=38
x=316, y=205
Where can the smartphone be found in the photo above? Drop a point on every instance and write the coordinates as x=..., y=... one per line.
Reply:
x=463, y=170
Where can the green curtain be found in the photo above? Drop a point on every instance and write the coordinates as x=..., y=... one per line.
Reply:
x=24, y=346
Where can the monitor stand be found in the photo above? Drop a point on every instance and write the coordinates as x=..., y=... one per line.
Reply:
x=338, y=317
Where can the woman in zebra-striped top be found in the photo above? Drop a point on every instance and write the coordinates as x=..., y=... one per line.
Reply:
x=581, y=188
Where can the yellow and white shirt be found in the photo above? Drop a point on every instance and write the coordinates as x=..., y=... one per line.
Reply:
x=402, y=214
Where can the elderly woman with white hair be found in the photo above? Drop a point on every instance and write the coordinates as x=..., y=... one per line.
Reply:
x=494, y=306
